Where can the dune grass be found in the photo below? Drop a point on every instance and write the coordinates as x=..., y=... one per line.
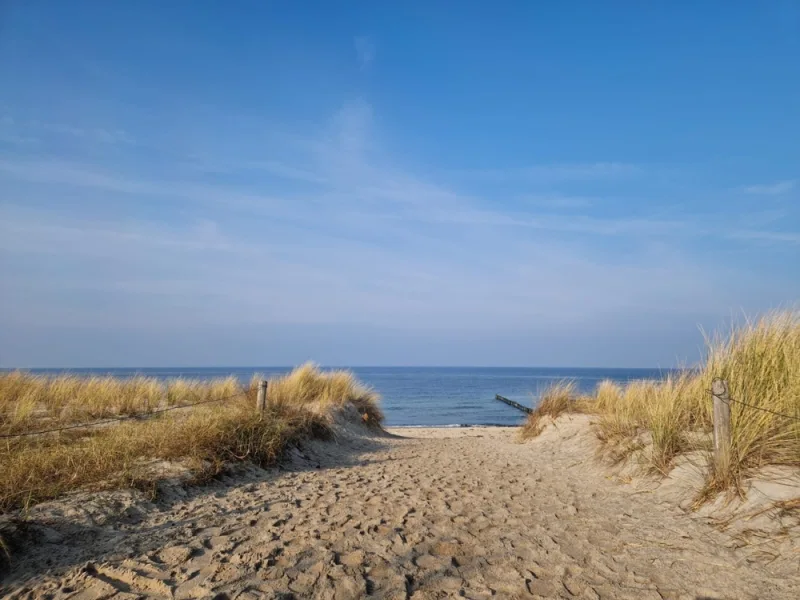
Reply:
x=336, y=389
x=121, y=455
x=556, y=400
x=31, y=402
x=761, y=362
x=202, y=438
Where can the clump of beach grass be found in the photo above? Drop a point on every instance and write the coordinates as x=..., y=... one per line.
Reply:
x=556, y=400
x=28, y=402
x=322, y=391
x=114, y=456
x=203, y=438
x=761, y=362
x=665, y=410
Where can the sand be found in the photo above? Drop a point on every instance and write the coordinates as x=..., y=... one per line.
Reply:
x=422, y=513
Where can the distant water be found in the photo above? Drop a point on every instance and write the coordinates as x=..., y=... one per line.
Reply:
x=430, y=396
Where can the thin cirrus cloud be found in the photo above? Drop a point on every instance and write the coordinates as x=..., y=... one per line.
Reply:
x=771, y=189
x=559, y=172
x=340, y=163
x=234, y=280
x=340, y=234
x=411, y=200
x=557, y=202
x=41, y=132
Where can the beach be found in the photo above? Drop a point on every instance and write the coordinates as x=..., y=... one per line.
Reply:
x=407, y=513
x=402, y=301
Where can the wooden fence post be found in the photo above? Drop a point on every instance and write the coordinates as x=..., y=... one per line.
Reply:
x=722, y=422
x=261, y=401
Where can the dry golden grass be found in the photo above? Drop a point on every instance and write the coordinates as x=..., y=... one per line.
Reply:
x=307, y=386
x=207, y=438
x=203, y=438
x=760, y=361
x=556, y=400
x=31, y=402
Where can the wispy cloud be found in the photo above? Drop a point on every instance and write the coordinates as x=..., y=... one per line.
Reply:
x=559, y=172
x=95, y=134
x=90, y=177
x=26, y=130
x=337, y=230
x=15, y=139
x=360, y=189
x=556, y=202
x=771, y=189
x=61, y=172
x=284, y=170
x=365, y=50
x=234, y=277
x=10, y=133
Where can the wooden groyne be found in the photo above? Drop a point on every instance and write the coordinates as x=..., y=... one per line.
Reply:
x=516, y=405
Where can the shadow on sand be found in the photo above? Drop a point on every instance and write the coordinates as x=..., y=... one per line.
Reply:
x=96, y=526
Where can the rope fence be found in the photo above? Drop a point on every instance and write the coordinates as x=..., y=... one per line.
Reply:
x=722, y=419
x=138, y=416
x=29, y=492
x=762, y=409
x=719, y=391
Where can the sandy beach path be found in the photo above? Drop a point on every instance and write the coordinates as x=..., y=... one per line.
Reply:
x=435, y=513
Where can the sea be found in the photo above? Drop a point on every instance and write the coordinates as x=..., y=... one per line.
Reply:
x=428, y=396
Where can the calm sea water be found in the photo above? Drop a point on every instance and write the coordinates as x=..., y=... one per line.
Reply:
x=419, y=396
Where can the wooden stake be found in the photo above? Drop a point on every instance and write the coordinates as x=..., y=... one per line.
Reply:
x=722, y=422
x=261, y=401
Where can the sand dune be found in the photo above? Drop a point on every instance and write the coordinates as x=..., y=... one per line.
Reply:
x=423, y=513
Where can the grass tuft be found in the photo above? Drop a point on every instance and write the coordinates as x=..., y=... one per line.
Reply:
x=761, y=362
x=325, y=391
x=204, y=438
x=32, y=402
x=556, y=400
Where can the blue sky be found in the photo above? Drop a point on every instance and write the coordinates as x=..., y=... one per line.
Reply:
x=429, y=183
